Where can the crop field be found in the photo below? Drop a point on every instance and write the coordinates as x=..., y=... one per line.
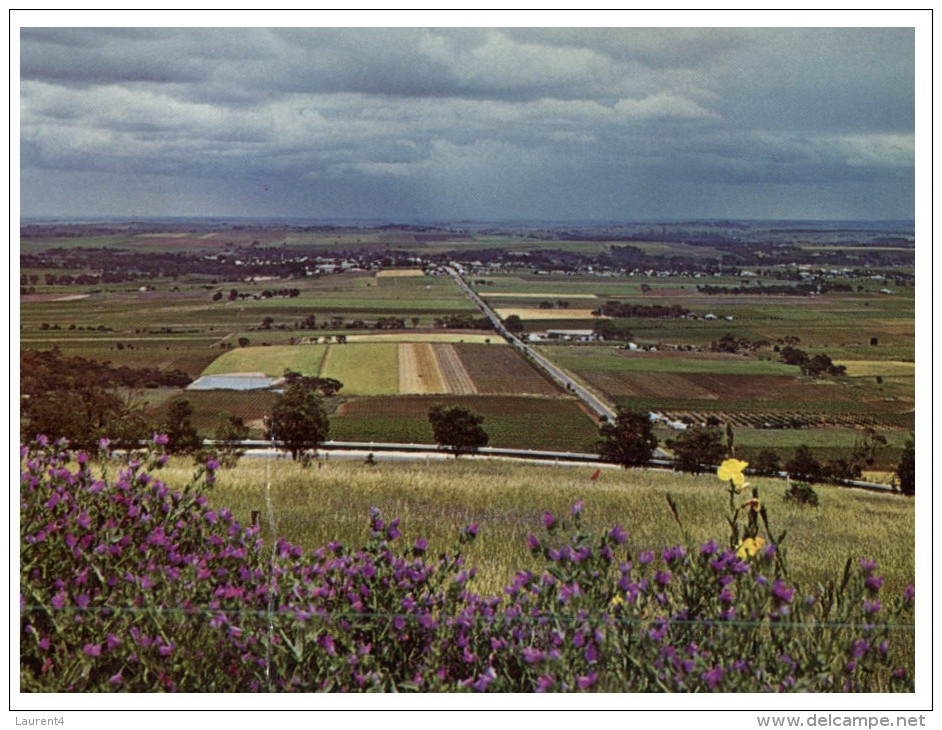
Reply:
x=594, y=357
x=530, y=314
x=503, y=370
x=273, y=361
x=515, y=422
x=426, y=336
x=364, y=369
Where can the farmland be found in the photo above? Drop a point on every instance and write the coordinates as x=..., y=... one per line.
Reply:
x=266, y=299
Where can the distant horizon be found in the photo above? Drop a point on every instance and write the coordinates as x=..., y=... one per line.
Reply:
x=78, y=220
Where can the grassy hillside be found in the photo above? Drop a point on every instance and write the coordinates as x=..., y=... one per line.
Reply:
x=316, y=505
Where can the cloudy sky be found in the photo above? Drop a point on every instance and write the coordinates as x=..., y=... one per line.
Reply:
x=460, y=123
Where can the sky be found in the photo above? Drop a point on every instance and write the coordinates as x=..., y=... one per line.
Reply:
x=448, y=124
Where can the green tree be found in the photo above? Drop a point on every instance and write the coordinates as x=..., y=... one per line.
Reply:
x=698, y=448
x=906, y=470
x=628, y=441
x=229, y=433
x=457, y=429
x=804, y=466
x=298, y=420
x=766, y=463
x=513, y=323
x=182, y=435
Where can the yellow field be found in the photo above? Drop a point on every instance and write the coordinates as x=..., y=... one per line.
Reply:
x=860, y=368
x=387, y=273
x=536, y=313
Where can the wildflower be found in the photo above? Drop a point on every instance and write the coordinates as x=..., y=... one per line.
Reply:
x=471, y=530
x=544, y=683
x=909, y=593
x=645, y=557
x=532, y=542
x=548, y=520
x=116, y=678
x=577, y=508
x=161, y=439
x=731, y=470
x=713, y=677
x=752, y=504
x=749, y=547
x=92, y=649
x=421, y=545
x=872, y=606
x=591, y=653
x=782, y=592
x=674, y=553
x=587, y=681
x=868, y=565
x=112, y=641
x=709, y=548
x=618, y=534
x=103, y=444
x=874, y=582
x=860, y=647
x=662, y=578
x=531, y=655
x=617, y=601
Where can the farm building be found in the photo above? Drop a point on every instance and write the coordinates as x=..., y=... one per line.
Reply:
x=572, y=335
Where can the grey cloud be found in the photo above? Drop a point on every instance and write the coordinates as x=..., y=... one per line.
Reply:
x=469, y=119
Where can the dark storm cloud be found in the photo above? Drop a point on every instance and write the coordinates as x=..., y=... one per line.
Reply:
x=466, y=122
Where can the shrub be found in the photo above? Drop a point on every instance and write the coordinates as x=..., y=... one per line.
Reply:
x=801, y=493
x=906, y=470
x=129, y=585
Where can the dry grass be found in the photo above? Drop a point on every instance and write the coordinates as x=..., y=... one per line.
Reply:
x=315, y=505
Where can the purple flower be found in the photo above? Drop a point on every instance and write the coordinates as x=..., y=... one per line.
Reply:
x=471, y=530
x=532, y=542
x=874, y=582
x=673, y=553
x=58, y=600
x=713, y=677
x=645, y=557
x=868, y=565
x=103, y=444
x=212, y=464
x=531, y=655
x=577, y=508
x=544, y=683
x=548, y=520
x=872, y=606
x=709, y=548
x=662, y=578
x=421, y=545
x=166, y=650
x=591, y=653
x=484, y=680
x=618, y=534
x=161, y=439
x=587, y=681
x=860, y=647
x=92, y=649
x=782, y=592
x=112, y=641
x=909, y=593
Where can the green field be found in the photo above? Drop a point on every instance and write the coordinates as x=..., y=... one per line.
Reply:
x=364, y=368
x=315, y=505
x=273, y=361
x=523, y=423
x=575, y=357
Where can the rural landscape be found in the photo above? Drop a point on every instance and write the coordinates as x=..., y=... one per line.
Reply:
x=510, y=361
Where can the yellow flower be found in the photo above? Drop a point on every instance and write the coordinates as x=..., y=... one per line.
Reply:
x=749, y=547
x=617, y=600
x=752, y=504
x=732, y=470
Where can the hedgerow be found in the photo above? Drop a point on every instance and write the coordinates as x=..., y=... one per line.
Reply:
x=130, y=585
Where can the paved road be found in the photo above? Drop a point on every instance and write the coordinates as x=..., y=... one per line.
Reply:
x=556, y=373
x=381, y=451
